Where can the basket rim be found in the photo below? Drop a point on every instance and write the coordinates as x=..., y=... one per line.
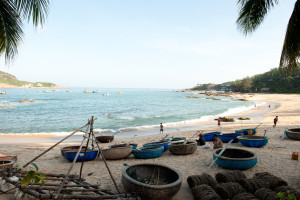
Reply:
x=235, y=159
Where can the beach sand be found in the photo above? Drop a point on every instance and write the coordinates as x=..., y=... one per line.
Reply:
x=274, y=158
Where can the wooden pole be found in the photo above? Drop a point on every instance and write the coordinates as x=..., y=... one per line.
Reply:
x=73, y=163
x=34, y=159
x=111, y=176
x=87, y=145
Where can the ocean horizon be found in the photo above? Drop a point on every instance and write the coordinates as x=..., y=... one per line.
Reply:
x=58, y=111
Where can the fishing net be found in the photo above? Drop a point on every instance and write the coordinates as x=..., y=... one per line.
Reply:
x=201, y=179
x=204, y=192
x=229, y=190
x=244, y=196
x=253, y=184
x=274, y=181
x=288, y=190
x=229, y=176
x=266, y=194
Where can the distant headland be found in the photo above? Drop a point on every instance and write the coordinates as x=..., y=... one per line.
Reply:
x=9, y=81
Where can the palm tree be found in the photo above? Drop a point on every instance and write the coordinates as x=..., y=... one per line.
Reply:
x=251, y=15
x=12, y=14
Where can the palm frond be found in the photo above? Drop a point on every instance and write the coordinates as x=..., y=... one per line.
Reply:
x=290, y=54
x=252, y=13
x=10, y=30
x=35, y=9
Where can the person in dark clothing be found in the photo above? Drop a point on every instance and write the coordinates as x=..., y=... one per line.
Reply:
x=201, y=140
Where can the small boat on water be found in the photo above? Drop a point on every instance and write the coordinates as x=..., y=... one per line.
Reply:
x=119, y=92
x=182, y=148
x=46, y=91
x=253, y=141
x=226, y=137
x=106, y=94
x=151, y=181
x=237, y=159
x=117, y=153
x=148, y=152
x=87, y=91
x=3, y=92
x=69, y=90
x=96, y=91
x=161, y=143
x=293, y=134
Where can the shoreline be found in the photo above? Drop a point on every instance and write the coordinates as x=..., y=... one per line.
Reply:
x=274, y=158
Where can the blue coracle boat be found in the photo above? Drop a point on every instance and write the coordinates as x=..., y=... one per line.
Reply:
x=236, y=159
x=249, y=131
x=162, y=143
x=90, y=155
x=253, y=141
x=148, y=152
x=226, y=137
x=210, y=136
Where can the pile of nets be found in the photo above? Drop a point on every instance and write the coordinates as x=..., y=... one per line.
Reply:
x=235, y=185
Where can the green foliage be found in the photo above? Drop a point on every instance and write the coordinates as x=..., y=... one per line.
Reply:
x=32, y=176
x=283, y=196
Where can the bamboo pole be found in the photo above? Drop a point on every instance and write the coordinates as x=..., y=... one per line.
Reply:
x=87, y=145
x=111, y=176
x=73, y=163
x=34, y=159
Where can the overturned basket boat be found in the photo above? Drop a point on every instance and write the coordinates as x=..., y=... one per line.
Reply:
x=89, y=155
x=253, y=141
x=293, y=133
x=105, y=138
x=161, y=143
x=117, y=153
x=226, y=137
x=151, y=181
x=148, y=152
x=70, y=148
x=210, y=136
x=249, y=131
x=182, y=148
x=233, y=158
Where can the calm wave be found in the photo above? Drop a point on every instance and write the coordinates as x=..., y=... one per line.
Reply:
x=115, y=109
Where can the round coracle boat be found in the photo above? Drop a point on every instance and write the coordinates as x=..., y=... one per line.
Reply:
x=7, y=157
x=5, y=164
x=235, y=158
x=293, y=134
x=133, y=145
x=148, y=152
x=253, y=141
x=210, y=136
x=89, y=155
x=70, y=148
x=105, y=138
x=161, y=143
x=174, y=139
x=226, y=137
x=117, y=153
x=151, y=181
x=249, y=131
x=182, y=148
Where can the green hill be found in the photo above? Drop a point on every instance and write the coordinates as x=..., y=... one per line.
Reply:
x=271, y=81
x=9, y=81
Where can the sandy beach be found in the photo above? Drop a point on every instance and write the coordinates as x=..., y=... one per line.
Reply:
x=274, y=158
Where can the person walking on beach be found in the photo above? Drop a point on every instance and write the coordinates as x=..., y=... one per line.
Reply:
x=217, y=143
x=161, y=128
x=219, y=121
x=275, y=121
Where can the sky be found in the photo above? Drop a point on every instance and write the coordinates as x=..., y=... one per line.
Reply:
x=172, y=44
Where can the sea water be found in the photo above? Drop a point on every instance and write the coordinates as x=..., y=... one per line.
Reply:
x=57, y=111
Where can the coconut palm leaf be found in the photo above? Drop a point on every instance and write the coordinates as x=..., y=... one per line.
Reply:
x=252, y=13
x=10, y=30
x=35, y=9
x=291, y=47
